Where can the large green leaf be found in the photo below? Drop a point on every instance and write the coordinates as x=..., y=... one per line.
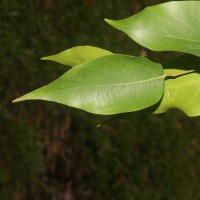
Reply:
x=172, y=26
x=182, y=92
x=78, y=55
x=108, y=85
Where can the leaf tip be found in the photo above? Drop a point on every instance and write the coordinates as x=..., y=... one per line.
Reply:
x=110, y=21
x=22, y=98
x=113, y=23
x=45, y=58
x=16, y=100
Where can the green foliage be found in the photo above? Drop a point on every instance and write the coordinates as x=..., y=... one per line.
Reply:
x=28, y=29
x=106, y=85
x=154, y=158
x=78, y=55
x=126, y=86
x=182, y=92
x=170, y=26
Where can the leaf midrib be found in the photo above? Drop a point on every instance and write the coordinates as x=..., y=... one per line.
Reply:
x=160, y=34
x=96, y=86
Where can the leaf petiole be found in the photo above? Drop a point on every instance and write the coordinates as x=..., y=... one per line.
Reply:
x=179, y=74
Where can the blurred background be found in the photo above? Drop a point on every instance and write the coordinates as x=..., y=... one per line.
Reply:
x=51, y=152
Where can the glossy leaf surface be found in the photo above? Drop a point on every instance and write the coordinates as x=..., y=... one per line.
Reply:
x=172, y=26
x=78, y=55
x=108, y=85
x=182, y=92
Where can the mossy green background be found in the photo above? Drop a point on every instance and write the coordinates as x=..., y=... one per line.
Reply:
x=49, y=151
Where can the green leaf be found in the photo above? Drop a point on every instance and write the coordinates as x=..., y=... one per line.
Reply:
x=108, y=85
x=182, y=92
x=78, y=55
x=172, y=26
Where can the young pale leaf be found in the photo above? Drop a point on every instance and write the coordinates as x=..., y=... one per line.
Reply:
x=172, y=26
x=182, y=92
x=108, y=85
x=78, y=55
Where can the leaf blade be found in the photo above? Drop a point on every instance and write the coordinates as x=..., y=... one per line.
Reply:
x=107, y=85
x=182, y=92
x=170, y=26
x=77, y=55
